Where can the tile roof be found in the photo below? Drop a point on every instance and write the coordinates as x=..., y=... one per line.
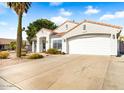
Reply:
x=60, y=34
x=4, y=41
x=94, y=22
x=104, y=24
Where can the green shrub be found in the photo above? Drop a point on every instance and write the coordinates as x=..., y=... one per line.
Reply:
x=4, y=54
x=13, y=45
x=35, y=56
x=53, y=51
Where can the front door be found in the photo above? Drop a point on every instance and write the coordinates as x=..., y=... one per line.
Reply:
x=44, y=44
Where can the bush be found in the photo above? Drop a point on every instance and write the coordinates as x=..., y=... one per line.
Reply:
x=35, y=56
x=53, y=51
x=13, y=45
x=4, y=54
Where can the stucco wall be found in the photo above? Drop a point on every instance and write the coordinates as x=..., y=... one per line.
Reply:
x=63, y=28
x=43, y=33
x=96, y=29
x=91, y=28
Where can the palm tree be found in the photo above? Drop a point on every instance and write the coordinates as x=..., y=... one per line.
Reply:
x=20, y=8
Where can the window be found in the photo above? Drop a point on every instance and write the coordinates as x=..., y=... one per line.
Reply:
x=57, y=44
x=66, y=26
x=113, y=36
x=84, y=27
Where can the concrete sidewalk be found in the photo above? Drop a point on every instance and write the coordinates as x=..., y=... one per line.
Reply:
x=4, y=85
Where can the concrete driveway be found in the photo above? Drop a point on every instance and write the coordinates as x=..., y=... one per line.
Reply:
x=60, y=72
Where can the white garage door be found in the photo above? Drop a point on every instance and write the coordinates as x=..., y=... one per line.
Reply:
x=92, y=45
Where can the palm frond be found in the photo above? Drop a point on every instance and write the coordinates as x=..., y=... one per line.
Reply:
x=19, y=7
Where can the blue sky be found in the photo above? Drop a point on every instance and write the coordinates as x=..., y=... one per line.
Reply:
x=109, y=12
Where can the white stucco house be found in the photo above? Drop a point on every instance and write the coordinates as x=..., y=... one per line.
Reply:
x=87, y=37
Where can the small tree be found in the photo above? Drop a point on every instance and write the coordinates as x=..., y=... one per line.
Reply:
x=13, y=45
x=121, y=38
x=35, y=26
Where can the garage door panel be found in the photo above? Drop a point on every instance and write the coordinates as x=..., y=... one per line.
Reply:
x=95, y=45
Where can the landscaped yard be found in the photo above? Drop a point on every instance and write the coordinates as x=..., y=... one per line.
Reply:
x=64, y=72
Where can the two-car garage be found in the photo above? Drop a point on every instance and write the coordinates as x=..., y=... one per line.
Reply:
x=90, y=44
x=92, y=38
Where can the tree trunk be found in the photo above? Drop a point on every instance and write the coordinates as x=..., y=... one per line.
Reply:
x=19, y=36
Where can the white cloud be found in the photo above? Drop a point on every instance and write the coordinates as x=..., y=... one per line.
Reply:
x=58, y=19
x=91, y=10
x=55, y=3
x=3, y=5
x=24, y=14
x=3, y=8
x=64, y=12
x=117, y=14
x=2, y=23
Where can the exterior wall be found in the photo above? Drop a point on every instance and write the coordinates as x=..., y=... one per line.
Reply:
x=5, y=47
x=114, y=45
x=91, y=28
x=40, y=34
x=95, y=29
x=63, y=28
x=64, y=46
x=34, y=48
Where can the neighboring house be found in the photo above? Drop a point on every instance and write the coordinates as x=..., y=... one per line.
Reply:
x=87, y=37
x=28, y=46
x=5, y=43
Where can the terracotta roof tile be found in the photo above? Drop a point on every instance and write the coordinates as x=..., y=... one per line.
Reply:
x=4, y=41
x=99, y=23
x=61, y=34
